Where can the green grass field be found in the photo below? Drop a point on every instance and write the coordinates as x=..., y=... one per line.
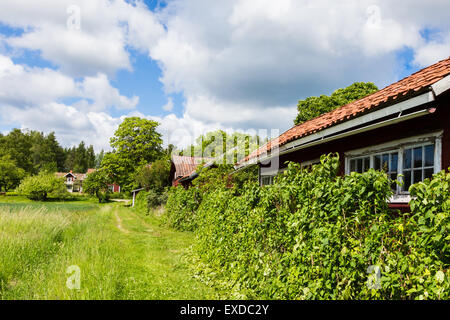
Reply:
x=120, y=253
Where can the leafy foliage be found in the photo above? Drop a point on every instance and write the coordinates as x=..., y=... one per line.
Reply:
x=135, y=143
x=96, y=183
x=34, y=151
x=313, y=107
x=40, y=186
x=233, y=147
x=316, y=235
x=154, y=176
x=10, y=174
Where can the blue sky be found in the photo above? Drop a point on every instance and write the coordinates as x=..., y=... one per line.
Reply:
x=198, y=65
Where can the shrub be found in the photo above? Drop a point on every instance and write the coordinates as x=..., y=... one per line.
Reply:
x=155, y=199
x=316, y=235
x=41, y=186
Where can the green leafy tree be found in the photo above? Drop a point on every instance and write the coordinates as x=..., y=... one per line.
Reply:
x=10, y=174
x=40, y=186
x=18, y=145
x=155, y=176
x=135, y=143
x=99, y=158
x=226, y=148
x=96, y=183
x=313, y=107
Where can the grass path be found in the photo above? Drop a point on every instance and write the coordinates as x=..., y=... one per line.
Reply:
x=120, y=254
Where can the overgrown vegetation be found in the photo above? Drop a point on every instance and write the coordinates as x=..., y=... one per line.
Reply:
x=40, y=186
x=313, y=107
x=316, y=235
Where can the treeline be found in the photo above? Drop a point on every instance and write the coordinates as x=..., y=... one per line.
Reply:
x=33, y=151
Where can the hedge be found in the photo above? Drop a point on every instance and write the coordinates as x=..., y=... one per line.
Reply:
x=316, y=235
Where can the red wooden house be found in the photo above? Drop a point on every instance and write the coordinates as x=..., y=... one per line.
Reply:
x=403, y=128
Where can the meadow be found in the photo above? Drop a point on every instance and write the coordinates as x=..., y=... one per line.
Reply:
x=119, y=253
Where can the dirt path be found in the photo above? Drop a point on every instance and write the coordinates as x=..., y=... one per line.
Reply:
x=119, y=222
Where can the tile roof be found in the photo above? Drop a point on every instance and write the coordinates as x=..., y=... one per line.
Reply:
x=185, y=166
x=78, y=176
x=415, y=84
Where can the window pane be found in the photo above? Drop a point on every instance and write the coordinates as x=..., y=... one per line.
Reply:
x=359, y=165
x=366, y=164
x=417, y=176
x=406, y=180
x=393, y=177
x=429, y=156
x=352, y=165
x=394, y=162
x=428, y=173
x=385, y=162
x=407, y=155
x=418, y=157
x=377, y=162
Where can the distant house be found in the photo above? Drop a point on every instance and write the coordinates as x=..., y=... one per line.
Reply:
x=74, y=181
x=184, y=169
x=403, y=129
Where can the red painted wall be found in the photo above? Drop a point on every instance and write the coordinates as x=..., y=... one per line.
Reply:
x=439, y=120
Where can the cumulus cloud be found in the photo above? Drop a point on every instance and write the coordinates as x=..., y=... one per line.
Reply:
x=70, y=124
x=238, y=63
x=249, y=62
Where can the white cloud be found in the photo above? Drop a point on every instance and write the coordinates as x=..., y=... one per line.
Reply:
x=169, y=105
x=70, y=124
x=238, y=63
x=247, y=63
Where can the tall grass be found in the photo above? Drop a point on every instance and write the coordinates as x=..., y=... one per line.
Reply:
x=39, y=243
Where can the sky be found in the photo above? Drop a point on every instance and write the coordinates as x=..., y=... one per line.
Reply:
x=79, y=67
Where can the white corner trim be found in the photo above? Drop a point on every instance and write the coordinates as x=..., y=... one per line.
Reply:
x=399, y=198
x=441, y=86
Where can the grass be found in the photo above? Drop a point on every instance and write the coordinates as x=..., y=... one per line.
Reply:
x=121, y=255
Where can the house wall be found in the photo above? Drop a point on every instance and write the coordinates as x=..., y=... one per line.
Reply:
x=439, y=120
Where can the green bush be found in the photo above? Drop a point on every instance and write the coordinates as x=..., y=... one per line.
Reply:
x=41, y=186
x=155, y=199
x=316, y=235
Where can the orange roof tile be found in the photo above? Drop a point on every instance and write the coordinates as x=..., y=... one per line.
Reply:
x=412, y=85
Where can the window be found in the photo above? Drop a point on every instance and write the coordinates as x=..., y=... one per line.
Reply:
x=266, y=180
x=360, y=164
x=418, y=164
x=415, y=161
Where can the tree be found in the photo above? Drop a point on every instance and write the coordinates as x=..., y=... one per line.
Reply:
x=10, y=174
x=18, y=145
x=81, y=161
x=96, y=183
x=154, y=176
x=313, y=107
x=90, y=155
x=138, y=140
x=232, y=147
x=40, y=186
x=98, y=159
x=135, y=143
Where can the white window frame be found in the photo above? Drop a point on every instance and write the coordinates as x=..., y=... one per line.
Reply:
x=399, y=146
